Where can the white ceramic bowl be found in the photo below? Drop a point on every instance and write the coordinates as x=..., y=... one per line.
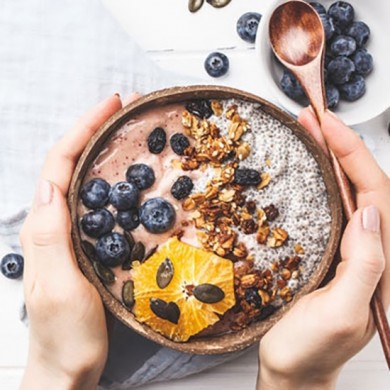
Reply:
x=377, y=97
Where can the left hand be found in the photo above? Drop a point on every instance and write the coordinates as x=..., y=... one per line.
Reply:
x=68, y=335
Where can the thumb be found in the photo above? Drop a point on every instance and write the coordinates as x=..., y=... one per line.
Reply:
x=362, y=256
x=45, y=235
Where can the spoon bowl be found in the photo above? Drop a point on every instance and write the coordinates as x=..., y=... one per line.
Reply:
x=296, y=33
x=298, y=40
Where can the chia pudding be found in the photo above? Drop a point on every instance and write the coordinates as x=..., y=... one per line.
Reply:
x=230, y=179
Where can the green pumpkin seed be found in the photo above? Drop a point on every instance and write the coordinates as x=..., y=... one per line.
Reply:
x=194, y=5
x=129, y=237
x=89, y=250
x=218, y=3
x=208, y=293
x=105, y=274
x=138, y=251
x=164, y=273
x=150, y=253
x=167, y=311
x=128, y=293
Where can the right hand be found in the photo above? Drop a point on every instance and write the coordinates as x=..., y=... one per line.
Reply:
x=308, y=346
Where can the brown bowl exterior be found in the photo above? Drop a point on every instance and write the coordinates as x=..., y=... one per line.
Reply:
x=228, y=342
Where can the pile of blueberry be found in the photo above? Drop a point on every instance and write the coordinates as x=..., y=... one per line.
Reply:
x=347, y=62
x=157, y=215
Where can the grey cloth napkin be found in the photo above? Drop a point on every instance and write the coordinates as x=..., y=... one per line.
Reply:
x=57, y=59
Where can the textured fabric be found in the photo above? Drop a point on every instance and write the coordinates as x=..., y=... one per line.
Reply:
x=57, y=59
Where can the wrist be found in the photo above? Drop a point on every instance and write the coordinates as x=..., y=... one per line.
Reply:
x=271, y=379
x=40, y=375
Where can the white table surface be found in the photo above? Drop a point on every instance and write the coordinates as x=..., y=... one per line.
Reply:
x=179, y=41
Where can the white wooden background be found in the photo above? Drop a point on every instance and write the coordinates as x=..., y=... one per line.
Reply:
x=179, y=41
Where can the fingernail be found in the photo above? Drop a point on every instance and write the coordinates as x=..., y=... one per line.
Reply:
x=117, y=95
x=333, y=115
x=371, y=219
x=44, y=193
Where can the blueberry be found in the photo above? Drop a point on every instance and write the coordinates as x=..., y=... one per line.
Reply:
x=329, y=26
x=342, y=13
x=95, y=193
x=332, y=96
x=98, y=222
x=340, y=70
x=128, y=219
x=216, y=64
x=343, y=45
x=354, y=89
x=157, y=140
x=141, y=175
x=246, y=177
x=200, y=108
x=12, y=266
x=363, y=62
x=179, y=143
x=182, y=187
x=112, y=249
x=253, y=297
x=359, y=31
x=291, y=86
x=247, y=26
x=124, y=195
x=318, y=7
x=157, y=215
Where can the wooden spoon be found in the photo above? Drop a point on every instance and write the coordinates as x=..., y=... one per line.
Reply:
x=298, y=41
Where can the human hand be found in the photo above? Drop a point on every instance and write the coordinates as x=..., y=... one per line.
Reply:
x=68, y=334
x=308, y=346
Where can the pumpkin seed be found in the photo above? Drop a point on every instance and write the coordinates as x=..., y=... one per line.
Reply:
x=164, y=273
x=218, y=3
x=138, y=251
x=129, y=238
x=128, y=293
x=104, y=273
x=89, y=250
x=167, y=311
x=194, y=5
x=208, y=293
x=150, y=253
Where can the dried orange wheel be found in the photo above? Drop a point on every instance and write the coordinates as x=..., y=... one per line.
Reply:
x=181, y=290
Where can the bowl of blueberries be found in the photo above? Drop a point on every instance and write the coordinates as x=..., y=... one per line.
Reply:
x=356, y=62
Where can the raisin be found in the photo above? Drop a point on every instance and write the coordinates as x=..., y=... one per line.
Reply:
x=271, y=212
x=182, y=187
x=157, y=140
x=251, y=206
x=179, y=143
x=253, y=297
x=200, y=108
x=249, y=226
x=247, y=177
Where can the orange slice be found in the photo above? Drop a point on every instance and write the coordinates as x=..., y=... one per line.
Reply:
x=181, y=290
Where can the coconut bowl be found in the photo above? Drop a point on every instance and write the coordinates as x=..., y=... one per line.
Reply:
x=227, y=342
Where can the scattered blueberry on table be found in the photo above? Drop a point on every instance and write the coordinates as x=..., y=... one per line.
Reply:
x=216, y=64
x=12, y=266
x=247, y=26
x=347, y=61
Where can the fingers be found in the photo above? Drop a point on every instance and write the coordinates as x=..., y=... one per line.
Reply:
x=62, y=158
x=309, y=121
x=363, y=259
x=45, y=237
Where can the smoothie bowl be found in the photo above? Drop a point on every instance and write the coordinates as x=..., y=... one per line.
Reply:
x=201, y=214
